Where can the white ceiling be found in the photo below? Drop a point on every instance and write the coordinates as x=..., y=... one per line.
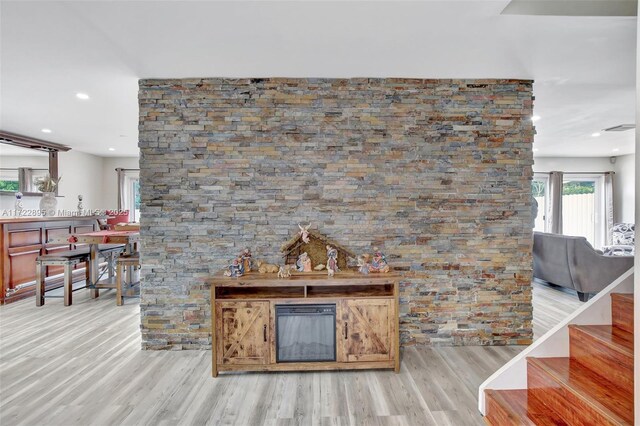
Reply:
x=583, y=67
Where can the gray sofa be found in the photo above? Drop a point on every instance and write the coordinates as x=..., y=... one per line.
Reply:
x=573, y=263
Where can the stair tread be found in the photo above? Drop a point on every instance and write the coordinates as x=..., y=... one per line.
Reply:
x=517, y=403
x=610, y=400
x=615, y=337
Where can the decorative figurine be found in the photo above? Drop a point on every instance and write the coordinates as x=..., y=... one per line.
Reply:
x=236, y=269
x=320, y=267
x=304, y=263
x=19, y=207
x=80, y=205
x=304, y=233
x=285, y=271
x=363, y=264
x=246, y=259
x=332, y=260
x=379, y=262
x=267, y=268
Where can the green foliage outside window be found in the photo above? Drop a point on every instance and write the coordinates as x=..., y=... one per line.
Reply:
x=9, y=185
x=136, y=191
x=568, y=188
x=537, y=188
x=577, y=187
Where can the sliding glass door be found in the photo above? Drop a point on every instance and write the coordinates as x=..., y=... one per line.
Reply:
x=583, y=208
x=134, y=199
x=129, y=192
x=540, y=189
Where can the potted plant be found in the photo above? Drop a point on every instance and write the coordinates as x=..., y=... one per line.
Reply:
x=48, y=185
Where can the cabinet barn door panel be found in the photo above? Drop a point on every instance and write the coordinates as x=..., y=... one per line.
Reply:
x=367, y=330
x=242, y=332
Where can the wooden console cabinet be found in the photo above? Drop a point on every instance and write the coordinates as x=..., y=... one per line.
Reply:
x=244, y=319
x=23, y=239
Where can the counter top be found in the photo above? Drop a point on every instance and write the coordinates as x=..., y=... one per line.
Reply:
x=251, y=279
x=26, y=219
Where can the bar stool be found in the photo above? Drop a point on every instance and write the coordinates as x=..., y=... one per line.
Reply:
x=67, y=259
x=126, y=262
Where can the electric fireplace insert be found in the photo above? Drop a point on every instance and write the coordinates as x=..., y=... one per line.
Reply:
x=306, y=333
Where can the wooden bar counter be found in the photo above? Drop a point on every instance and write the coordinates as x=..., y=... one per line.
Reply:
x=23, y=239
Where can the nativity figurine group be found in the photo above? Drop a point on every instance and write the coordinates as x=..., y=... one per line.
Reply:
x=239, y=265
x=366, y=263
x=375, y=263
x=303, y=263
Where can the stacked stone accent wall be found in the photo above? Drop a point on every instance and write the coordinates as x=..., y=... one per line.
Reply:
x=435, y=172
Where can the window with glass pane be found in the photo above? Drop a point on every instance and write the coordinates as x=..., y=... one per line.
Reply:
x=136, y=200
x=581, y=209
x=539, y=190
x=8, y=185
x=9, y=180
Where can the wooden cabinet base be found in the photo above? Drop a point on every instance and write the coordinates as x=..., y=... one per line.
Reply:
x=360, y=317
x=311, y=366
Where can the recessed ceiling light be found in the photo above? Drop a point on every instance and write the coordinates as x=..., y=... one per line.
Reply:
x=112, y=149
x=535, y=150
x=615, y=149
x=46, y=130
x=595, y=135
x=82, y=96
x=535, y=118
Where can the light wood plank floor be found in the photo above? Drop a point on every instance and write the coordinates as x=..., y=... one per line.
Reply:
x=550, y=306
x=83, y=365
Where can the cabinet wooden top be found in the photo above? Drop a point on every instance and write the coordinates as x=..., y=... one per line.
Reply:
x=26, y=219
x=255, y=279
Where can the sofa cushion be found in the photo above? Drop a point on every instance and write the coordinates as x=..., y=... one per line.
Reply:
x=623, y=234
x=619, y=250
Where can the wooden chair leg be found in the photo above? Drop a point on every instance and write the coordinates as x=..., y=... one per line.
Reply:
x=40, y=274
x=119, y=282
x=68, y=284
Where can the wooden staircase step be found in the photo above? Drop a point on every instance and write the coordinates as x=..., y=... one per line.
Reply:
x=513, y=407
x=577, y=393
x=622, y=311
x=604, y=349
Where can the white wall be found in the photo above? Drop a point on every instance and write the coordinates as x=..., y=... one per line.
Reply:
x=625, y=188
x=636, y=299
x=33, y=161
x=572, y=164
x=81, y=174
x=110, y=178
